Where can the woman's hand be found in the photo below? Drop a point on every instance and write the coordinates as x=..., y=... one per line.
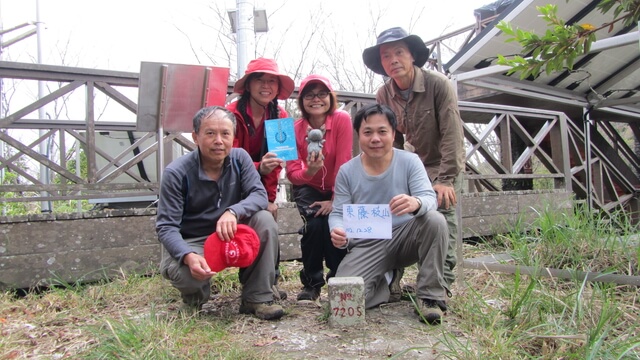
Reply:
x=315, y=162
x=324, y=207
x=269, y=162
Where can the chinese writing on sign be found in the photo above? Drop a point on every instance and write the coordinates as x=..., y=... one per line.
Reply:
x=367, y=221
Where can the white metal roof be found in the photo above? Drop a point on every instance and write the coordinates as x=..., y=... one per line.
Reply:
x=607, y=78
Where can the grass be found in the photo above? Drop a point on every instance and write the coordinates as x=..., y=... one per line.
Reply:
x=516, y=316
x=577, y=242
x=544, y=319
x=106, y=321
x=491, y=316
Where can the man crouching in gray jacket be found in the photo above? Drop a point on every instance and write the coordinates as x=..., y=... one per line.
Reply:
x=213, y=189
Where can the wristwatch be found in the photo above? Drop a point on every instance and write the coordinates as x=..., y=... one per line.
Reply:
x=419, y=205
x=233, y=213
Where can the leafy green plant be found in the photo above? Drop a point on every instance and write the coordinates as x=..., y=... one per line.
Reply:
x=71, y=206
x=13, y=208
x=560, y=45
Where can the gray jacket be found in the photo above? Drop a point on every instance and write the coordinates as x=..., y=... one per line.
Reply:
x=190, y=203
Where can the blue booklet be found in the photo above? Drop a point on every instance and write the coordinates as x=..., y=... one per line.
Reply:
x=281, y=138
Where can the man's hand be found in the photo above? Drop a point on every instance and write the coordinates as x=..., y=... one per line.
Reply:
x=269, y=162
x=446, y=195
x=325, y=207
x=403, y=204
x=339, y=238
x=198, y=265
x=227, y=226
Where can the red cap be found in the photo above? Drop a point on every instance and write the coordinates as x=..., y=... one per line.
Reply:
x=267, y=66
x=241, y=251
x=315, y=78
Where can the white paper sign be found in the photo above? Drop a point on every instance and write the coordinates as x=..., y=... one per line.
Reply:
x=367, y=221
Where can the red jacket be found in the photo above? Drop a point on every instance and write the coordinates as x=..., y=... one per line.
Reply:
x=337, y=150
x=242, y=140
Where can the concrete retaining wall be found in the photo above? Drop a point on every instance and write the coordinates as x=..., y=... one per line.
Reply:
x=499, y=212
x=50, y=249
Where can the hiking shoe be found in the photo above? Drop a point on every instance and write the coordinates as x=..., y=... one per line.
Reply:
x=429, y=311
x=395, y=289
x=265, y=311
x=278, y=294
x=309, y=293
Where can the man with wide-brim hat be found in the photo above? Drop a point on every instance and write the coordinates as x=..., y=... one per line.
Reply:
x=419, y=50
x=429, y=123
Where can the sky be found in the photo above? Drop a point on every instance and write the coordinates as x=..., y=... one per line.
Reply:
x=119, y=34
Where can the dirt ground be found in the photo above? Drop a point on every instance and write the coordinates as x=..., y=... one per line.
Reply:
x=391, y=331
x=302, y=334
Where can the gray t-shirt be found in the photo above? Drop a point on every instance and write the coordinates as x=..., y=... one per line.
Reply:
x=405, y=175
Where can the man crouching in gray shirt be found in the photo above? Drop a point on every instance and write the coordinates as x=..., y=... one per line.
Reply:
x=384, y=175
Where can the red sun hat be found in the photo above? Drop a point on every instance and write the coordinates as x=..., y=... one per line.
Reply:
x=241, y=251
x=267, y=66
x=315, y=78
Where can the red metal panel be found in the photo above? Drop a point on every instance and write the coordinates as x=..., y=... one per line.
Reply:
x=189, y=88
x=216, y=90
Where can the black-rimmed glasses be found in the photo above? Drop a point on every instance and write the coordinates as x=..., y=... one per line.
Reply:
x=319, y=95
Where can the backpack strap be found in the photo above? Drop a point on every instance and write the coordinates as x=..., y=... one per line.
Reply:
x=236, y=167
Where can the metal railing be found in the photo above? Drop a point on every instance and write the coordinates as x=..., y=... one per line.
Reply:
x=507, y=147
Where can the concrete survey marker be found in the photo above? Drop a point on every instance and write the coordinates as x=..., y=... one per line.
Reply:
x=346, y=301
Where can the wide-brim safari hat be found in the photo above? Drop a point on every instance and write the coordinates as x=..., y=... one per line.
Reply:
x=417, y=47
x=266, y=66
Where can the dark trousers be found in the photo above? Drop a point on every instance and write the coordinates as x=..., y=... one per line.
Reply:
x=316, y=243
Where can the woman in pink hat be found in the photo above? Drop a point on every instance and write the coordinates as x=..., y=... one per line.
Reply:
x=260, y=88
x=313, y=176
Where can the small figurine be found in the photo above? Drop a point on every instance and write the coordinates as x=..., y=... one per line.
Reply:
x=315, y=141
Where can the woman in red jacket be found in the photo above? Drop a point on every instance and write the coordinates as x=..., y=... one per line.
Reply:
x=313, y=177
x=260, y=88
